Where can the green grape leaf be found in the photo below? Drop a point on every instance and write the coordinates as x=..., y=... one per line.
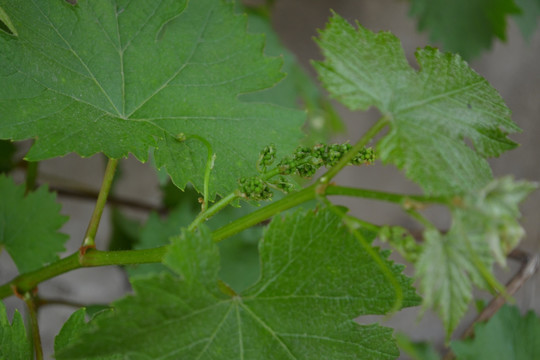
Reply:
x=14, y=344
x=125, y=231
x=431, y=111
x=29, y=225
x=298, y=86
x=239, y=256
x=123, y=78
x=417, y=350
x=528, y=19
x=315, y=279
x=5, y=23
x=157, y=232
x=7, y=150
x=464, y=26
x=71, y=331
x=401, y=240
x=507, y=335
x=484, y=229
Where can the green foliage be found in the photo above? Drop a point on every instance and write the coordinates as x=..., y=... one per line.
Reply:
x=417, y=350
x=29, y=225
x=71, y=331
x=464, y=26
x=507, y=335
x=238, y=255
x=125, y=231
x=431, y=111
x=14, y=344
x=189, y=85
x=484, y=229
x=401, y=240
x=7, y=150
x=197, y=59
x=301, y=307
x=298, y=87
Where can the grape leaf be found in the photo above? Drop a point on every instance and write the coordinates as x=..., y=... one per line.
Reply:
x=14, y=344
x=157, y=232
x=125, y=231
x=29, y=225
x=507, y=335
x=528, y=19
x=322, y=120
x=238, y=255
x=431, y=111
x=464, y=26
x=484, y=229
x=7, y=150
x=416, y=350
x=71, y=331
x=315, y=279
x=122, y=78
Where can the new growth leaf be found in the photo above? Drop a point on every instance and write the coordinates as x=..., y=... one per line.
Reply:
x=431, y=111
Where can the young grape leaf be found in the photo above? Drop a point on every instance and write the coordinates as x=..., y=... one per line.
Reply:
x=464, y=26
x=484, y=229
x=507, y=335
x=14, y=344
x=29, y=225
x=122, y=78
x=315, y=280
x=431, y=111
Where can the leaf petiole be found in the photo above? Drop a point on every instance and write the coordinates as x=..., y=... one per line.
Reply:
x=208, y=168
x=204, y=215
x=89, y=237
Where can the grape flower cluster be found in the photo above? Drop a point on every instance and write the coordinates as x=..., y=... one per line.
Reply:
x=304, y=162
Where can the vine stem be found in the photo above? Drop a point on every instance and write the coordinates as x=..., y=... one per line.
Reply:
x=26, y=282
x=29, y=299
x=92, y=257
x=386, y=196
x=89, y=237
x=264, y=213
x=364, y=140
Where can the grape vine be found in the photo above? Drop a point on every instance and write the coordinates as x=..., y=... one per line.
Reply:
x=202, y=117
